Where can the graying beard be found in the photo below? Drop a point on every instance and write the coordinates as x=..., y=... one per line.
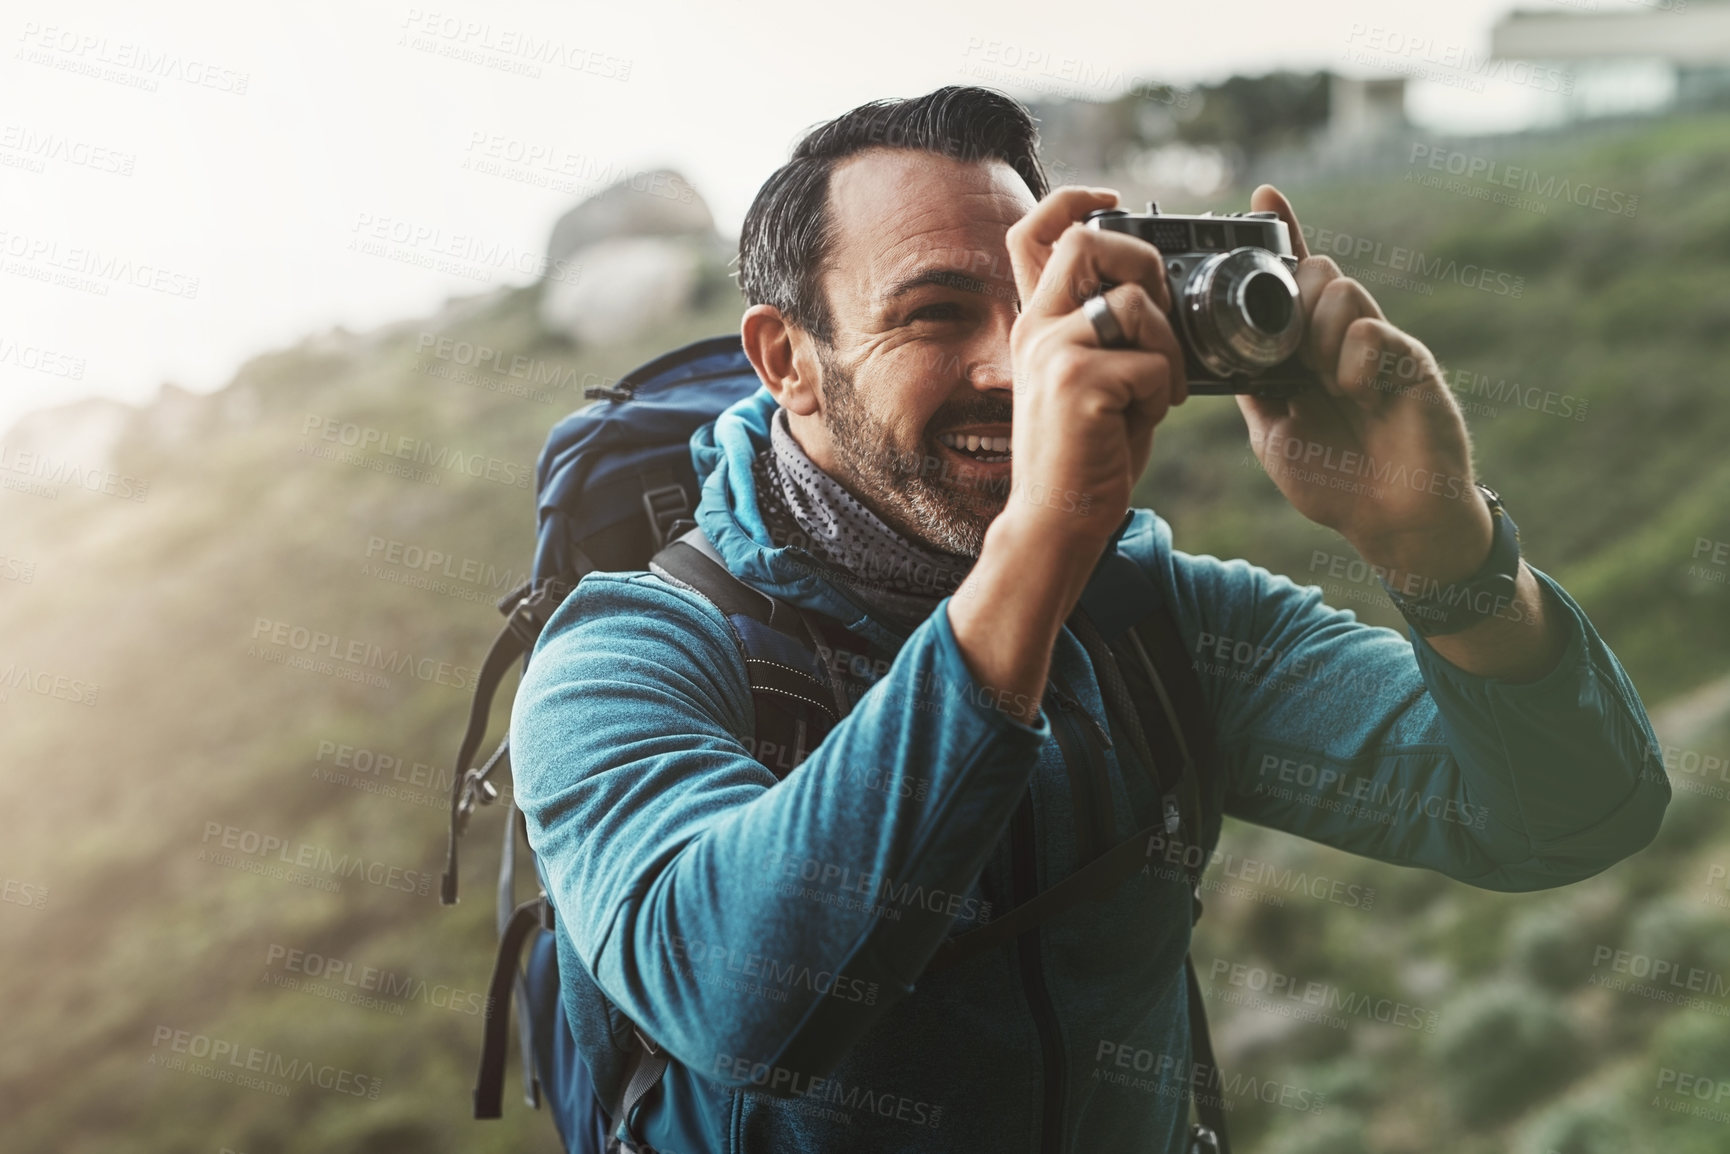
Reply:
x=891, y=482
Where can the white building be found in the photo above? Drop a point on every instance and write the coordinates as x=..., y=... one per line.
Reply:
x=1626, y=56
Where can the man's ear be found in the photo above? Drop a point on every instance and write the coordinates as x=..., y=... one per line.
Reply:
x=783, y=358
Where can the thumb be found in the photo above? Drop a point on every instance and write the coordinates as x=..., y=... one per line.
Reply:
x=1267, y=198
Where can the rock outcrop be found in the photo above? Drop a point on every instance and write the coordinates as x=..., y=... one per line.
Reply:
x=629, y=258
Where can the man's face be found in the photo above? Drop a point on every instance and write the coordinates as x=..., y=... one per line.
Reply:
x=922, y=298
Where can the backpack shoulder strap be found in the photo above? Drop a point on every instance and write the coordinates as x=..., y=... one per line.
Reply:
x=782, y=646
x=527, y=608
x=1109, y=870
x=796, y=702
x=1145, y=669
x=1144, y=660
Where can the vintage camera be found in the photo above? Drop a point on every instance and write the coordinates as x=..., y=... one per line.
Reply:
x=1235, y=304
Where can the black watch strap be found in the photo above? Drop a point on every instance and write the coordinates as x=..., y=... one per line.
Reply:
x=1434, y=609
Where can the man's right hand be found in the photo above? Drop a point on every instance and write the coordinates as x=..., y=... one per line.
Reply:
x=1084, y=415
x=1081, y=434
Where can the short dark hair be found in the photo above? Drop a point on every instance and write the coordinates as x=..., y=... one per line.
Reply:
x=788, y=232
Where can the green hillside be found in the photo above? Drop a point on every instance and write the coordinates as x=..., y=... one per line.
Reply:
x=136, y=921
x=1597, y=408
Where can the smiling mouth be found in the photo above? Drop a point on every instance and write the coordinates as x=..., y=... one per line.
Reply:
x=985, y=450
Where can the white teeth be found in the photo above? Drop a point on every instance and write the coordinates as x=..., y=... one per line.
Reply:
x=975, y=444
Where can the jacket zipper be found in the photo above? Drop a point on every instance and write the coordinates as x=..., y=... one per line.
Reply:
x=1093, y=808
x=1026, y=885
x=1032, y=969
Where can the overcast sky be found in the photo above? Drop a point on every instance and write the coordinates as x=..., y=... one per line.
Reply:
x=181, y=183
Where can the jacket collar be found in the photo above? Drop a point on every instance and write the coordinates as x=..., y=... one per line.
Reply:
x=727, y=511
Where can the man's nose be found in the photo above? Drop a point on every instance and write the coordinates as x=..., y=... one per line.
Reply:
x=988, y=365
x=992, y=374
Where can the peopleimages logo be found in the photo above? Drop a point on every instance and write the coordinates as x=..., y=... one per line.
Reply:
x=437, y=571
x=511, y=49
x=1367, y=797
x=310, y=644
x=830, y=878
x=770, y=974
x=31, y=895
x=137, y=65
x=1201, y=1079
x=1668, y=971
x=1344, y=245
x=830, y=1092
x=45, y=467
x=406, y=448
x=1254, y=872
x=1271, y=988
x=1526, y=180
x=91, y=269
x=1442, y=62
x=34, y=149
x=37, y=359
x=342, y=980
x=60, y=686
x=243, y=1060
x=254, y=846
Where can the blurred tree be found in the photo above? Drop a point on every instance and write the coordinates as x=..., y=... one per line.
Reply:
x=1250, y=113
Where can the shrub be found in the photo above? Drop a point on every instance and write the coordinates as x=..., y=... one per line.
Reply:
x=1501, y=1047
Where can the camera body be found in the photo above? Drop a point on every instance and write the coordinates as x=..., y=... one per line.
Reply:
x=1235, y=305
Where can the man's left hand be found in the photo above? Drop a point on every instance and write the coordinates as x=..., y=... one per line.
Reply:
x=1378, y=451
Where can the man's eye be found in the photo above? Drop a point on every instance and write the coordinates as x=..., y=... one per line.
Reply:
x=942, y=312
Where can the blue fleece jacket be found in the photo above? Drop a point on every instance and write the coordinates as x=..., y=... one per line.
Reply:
x=771, y=937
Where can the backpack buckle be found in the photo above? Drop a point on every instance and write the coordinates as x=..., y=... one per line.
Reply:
x=648, y=1046
x=477, y=791
x=1203, y=1140
x=524, y=618
x=665, y=505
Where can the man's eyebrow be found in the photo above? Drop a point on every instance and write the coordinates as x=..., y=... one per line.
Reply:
x=942, y=277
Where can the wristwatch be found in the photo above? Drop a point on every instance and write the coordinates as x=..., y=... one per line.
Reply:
x=1436, y=609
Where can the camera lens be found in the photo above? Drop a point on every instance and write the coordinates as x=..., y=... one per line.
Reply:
x=1267, y=304
x=1240, y=310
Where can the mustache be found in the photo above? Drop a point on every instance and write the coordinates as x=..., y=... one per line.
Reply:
x=972, y=411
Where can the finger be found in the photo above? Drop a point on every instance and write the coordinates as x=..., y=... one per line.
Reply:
x=1313, y=275
x=1381, y=366
x=1145, y=325
x=1031, y=238
x=1130, y=378
x=1131, y=381
x=1341, y=303
x=1267, y=198
x=1085, y=257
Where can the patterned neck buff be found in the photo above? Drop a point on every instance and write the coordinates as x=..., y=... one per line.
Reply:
x=895, y=578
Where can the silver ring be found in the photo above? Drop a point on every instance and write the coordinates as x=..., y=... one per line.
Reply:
x=1098, y=311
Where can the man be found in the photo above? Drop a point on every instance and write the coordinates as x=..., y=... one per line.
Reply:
x=943, y=451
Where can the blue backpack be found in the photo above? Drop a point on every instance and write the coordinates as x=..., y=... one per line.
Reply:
x=616, y=491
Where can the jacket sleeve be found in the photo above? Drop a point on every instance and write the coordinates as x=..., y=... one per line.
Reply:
x=1371, y=742
x=739, y=921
